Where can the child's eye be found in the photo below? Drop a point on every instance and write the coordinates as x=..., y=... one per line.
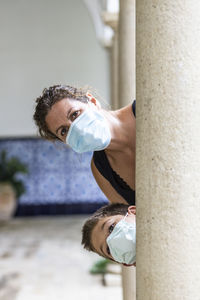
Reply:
x=111, y=227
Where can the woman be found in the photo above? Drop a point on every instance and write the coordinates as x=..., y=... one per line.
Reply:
x=74, y=116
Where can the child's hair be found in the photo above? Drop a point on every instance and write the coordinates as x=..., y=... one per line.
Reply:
x=104, y=211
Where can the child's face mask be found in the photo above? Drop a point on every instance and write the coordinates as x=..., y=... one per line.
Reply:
x=89, y=132
x=122, y=242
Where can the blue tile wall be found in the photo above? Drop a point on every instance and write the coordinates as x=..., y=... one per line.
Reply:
x=57, y=177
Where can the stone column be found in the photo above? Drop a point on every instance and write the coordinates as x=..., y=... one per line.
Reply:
x=126, y=52
x=111, y=19
x=114, y=72
x=168, y=149
x=129, y=283
x=126, y=96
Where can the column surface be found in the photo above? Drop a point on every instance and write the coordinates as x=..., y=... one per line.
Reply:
x=114, y=72
x=126, y=95
x=112, y=20
x=168, y=149
x=126, y=52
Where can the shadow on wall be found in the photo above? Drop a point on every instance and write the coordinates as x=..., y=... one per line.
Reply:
x=59, y=180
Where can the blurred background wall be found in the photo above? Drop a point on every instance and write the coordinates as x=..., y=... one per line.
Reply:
x=44, y=43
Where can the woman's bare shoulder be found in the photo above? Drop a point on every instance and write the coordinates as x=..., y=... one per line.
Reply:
x=105, y=186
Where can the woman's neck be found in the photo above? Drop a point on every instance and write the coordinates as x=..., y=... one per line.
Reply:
x=122, y=128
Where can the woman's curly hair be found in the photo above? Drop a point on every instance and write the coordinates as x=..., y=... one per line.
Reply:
x=48, y=98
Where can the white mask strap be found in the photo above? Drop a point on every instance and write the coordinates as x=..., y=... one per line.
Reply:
x=125, y=215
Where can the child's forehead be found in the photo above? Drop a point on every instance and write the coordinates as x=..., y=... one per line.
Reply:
x=104, y=219
x=107, y=218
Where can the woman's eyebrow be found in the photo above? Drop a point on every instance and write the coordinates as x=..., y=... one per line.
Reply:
x=63, y=125
x=69, y=112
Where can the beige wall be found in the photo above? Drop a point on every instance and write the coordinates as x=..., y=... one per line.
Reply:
x=44, y=43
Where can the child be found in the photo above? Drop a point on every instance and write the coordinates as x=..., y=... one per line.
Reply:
x=111, y=233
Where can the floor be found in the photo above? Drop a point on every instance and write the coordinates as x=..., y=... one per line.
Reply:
x=42, y=259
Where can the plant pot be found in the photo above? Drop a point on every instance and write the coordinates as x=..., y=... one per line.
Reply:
x=8, y=201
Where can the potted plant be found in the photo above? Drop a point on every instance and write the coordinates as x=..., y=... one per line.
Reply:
x=11, y=188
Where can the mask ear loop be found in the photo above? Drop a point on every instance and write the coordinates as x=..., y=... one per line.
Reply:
x=125, y=215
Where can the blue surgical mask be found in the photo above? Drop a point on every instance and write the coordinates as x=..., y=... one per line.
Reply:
x=89, y=132
x=122, y=242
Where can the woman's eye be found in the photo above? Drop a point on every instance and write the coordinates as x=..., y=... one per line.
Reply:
x=63, y=131
x=74, y=115
x=111, y=227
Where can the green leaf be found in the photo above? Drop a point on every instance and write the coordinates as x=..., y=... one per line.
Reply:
x=9, y=168
x=100, y=266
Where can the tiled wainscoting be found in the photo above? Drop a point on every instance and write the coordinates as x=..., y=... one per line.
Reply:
x=59, y=180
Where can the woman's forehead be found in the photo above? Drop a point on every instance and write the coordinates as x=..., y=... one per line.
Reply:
x=56, y=114
x=65, y=104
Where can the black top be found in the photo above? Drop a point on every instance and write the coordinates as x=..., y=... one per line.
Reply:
x=103, y=166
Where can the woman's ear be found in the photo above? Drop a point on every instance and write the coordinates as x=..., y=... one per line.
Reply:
x=132, y=210
x=93, y=100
